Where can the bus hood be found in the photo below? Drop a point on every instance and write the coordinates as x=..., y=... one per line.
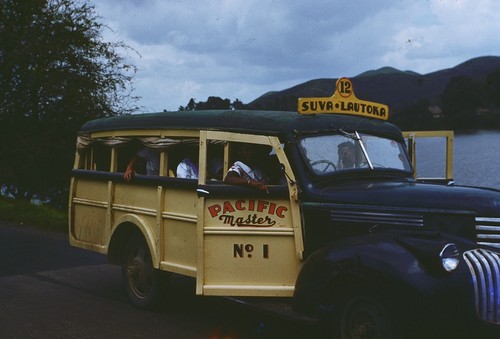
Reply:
x=411, y=195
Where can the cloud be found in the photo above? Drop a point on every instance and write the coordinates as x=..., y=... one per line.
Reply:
x=242, y=49
x=443, y=34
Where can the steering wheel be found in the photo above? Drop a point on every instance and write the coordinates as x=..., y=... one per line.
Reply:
x=323, y=165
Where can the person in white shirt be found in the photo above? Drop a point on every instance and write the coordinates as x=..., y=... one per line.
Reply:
x=187, y=169
x=245, y=172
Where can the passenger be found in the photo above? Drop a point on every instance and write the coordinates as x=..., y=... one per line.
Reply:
x=188, y=169
x=152, y=159
x=346, y=155
x=244, y=172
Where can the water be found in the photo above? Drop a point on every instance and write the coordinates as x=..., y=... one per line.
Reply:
x=476, y=158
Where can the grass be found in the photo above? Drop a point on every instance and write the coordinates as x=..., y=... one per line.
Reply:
x=24, y=212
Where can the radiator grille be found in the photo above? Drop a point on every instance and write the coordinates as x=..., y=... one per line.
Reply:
x=488, y=231
x=377, y=217
x=484, y=266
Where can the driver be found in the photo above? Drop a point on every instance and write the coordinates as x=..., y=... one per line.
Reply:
x=346, y=155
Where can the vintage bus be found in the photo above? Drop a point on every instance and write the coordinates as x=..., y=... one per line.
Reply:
x=344, y=232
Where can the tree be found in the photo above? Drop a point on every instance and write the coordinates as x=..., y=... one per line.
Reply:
x=414, y=117
x=217, y=103
x=191, y=106
x=460, y=99
x=493, y=87
x=56, y=72
x=237, y=104
x=211, y=103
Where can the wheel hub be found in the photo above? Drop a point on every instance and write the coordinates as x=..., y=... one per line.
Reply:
x=135, y=268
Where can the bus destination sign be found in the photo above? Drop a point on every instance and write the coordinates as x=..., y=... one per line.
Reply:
x=343, y=101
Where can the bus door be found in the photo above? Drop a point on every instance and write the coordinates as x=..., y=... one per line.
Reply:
x=249, y=241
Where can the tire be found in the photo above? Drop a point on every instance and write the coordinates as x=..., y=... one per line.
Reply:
x=365, y=316
x=143, y=283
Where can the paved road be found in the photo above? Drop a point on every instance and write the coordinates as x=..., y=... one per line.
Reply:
x=51, y=290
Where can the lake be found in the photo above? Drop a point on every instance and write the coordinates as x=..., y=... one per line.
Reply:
x=476, y=158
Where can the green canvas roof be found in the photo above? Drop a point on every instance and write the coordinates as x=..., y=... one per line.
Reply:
x=278, y=123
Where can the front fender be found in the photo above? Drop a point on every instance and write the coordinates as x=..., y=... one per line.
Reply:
x=398, y=269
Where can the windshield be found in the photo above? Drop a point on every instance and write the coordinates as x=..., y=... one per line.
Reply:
x=326, y=154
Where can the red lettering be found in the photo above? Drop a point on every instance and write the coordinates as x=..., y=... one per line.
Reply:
x=272, y=208
x=214, y=210
x=280, y=211
x=261, y=205
x=240, y=205
x=228, y=207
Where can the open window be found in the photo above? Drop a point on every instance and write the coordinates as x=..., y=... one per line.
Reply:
x=113, y=154
x=431, y=154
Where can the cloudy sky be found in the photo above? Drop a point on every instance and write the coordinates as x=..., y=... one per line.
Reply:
x=245, y=48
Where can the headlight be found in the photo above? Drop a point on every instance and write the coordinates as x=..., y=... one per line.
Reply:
x=450, y=257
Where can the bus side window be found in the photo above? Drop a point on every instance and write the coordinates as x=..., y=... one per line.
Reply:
x=172, y=156
x=273, y=169
x=248, y=161
x=126, y=153
x=97, y=157
x=187, y=167
x=101, y=158
x=215, y=162
x=85, y=159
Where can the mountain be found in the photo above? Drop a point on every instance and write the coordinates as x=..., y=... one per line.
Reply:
x=386, y=85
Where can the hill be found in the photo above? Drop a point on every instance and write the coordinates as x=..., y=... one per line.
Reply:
x=388, y=85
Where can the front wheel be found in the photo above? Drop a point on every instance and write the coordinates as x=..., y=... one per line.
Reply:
x=365, y=317
x=142, y=282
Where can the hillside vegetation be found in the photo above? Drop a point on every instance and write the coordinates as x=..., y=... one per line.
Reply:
x=466, y=96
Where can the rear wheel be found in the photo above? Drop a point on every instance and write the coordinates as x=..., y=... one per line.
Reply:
x=142, y=282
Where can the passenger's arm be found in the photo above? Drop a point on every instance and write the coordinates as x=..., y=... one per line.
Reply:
x=232, y=178
x=129, y=172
